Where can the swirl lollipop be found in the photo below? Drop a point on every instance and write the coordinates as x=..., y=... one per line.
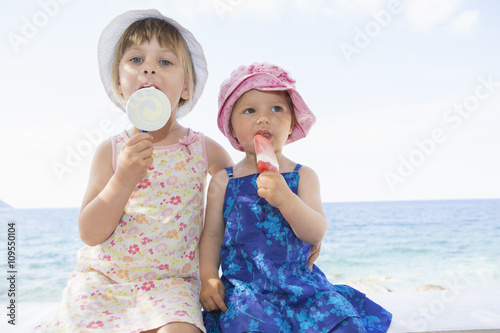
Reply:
x=148, y=109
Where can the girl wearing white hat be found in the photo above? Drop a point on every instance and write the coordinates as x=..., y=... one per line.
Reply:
x=142, y=213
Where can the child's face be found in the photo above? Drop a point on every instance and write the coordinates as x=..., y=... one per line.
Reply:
x=261, y=112
x=149, y=64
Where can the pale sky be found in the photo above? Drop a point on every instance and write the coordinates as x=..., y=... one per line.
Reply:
x=406, y=93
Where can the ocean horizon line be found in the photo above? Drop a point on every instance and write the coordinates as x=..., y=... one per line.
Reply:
x=6, y=206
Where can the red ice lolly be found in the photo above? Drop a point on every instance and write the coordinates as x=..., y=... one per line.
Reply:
x=266, y=159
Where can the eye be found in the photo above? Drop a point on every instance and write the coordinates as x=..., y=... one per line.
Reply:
x=165, y=62
x=276, y=108
x=250, y=110
x=136, y=60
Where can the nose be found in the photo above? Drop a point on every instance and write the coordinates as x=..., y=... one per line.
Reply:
x=263, y=118
x=149, y=68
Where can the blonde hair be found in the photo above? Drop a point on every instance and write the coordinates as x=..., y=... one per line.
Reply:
x=146, y=30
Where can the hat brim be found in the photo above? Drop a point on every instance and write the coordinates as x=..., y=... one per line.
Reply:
x=106, y=54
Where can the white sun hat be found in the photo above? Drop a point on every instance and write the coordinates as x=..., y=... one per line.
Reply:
x=106, y=54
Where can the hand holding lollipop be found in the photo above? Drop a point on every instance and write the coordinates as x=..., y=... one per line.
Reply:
x=148, y=109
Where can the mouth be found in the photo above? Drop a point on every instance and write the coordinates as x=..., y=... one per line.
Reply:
x=264, y=133
x=148, y=85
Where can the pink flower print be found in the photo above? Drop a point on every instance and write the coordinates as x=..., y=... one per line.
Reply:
x=133, y=231
x=162, y=184
x=180, y=313
x=146, y=240
x=163, y=267
x=200, y=165
x=133, y=249
x=167, y=212
x=94, y=306
x=172, y=180
x=182, y=226
x=156, y=174
x=95, y=324
x=191, y=255
x=175, y=200
x=151, y=251
x=150, y=275
x=161, y=247
x=147, y=286
x=144, y=183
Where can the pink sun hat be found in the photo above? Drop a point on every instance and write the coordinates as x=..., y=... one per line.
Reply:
x=265, y=77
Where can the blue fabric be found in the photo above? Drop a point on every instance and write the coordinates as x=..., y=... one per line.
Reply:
x=269, y=287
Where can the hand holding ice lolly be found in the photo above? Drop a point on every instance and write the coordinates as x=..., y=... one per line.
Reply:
x=148, y=109
x=266, y=159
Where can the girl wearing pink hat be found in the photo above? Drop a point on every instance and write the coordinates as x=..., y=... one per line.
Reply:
x=260, y=227
x=142, y=214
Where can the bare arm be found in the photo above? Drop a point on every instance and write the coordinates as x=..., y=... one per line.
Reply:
x=212, y=289
x=218, y=158
x=108, y=192
x=304, y=210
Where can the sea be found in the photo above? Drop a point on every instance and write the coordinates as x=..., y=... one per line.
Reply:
x=377, y=246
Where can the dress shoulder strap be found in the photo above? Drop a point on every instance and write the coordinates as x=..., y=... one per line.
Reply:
x=297, y=168
x=229, y=171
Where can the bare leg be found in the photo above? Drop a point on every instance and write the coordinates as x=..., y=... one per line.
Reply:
x=176, y=328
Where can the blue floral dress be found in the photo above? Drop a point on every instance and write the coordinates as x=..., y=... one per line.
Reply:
x=268, y=286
